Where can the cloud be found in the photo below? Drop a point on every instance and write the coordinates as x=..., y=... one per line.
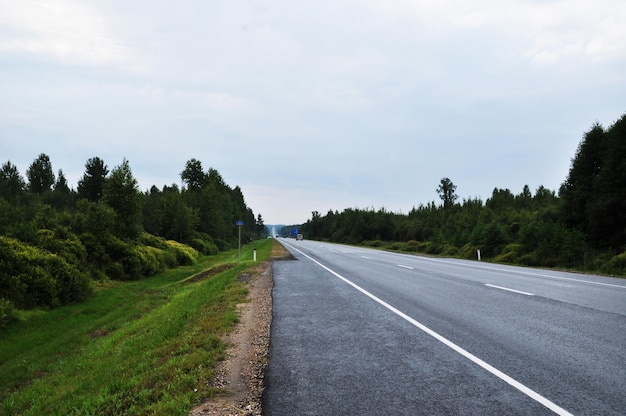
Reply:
x=67, y=31
x=548, y=32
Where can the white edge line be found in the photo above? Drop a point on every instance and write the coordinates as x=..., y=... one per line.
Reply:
x=510, y=290
x=511, y=381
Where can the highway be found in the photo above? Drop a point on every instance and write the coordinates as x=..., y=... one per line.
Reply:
x=358, y=331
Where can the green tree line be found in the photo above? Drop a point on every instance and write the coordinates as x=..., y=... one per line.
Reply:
x=583, y=226
x=56, y=241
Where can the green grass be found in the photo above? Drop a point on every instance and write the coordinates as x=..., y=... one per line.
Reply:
x=133, y=348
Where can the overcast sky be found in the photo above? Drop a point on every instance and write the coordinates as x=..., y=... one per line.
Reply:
x=313, y=105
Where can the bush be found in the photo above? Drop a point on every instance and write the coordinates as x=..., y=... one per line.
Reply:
x=396, y=246
x=616, y=266
x=204, y=246
x=185, y=255
x=72, y=284
x=152, y=241
x=449, y=250
x=222, y=245
x=469, y=252
x=529, y=259
x=64, y=244
x=510, y=254
x=31, y=277
x=7, y=313
x=411, y=246
x=151, y=259
x=431, y=248
x=373, y=243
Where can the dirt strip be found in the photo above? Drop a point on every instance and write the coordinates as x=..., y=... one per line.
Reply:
x=240, y=376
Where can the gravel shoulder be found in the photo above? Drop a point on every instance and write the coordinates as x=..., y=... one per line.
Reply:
x=240, y=377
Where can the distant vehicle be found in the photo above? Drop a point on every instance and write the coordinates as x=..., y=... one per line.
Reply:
x=299, y=237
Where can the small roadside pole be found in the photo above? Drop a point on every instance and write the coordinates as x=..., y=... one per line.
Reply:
x=239, y=224
x=478, y=253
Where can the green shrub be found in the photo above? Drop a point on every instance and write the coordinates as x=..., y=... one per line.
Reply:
x=169, y=256
x=529, y=259
x=449, y=250
x=469, y=252
x=203, y=246
x=152, y=241
x=616, y=266
x=430, y=247
x=372, y=243
x=7, y=312
x=72, y=284
x=31, y=276
x=151, y=258
x=222, y=245
x=64, y=244
x=411, y=246
x=396, y=246
x=510, y=254
x=185, y=255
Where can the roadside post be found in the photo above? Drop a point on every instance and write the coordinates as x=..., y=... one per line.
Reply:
x=239, y=224
x=254, y=254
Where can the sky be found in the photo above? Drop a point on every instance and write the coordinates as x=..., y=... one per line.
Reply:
x=313, y=105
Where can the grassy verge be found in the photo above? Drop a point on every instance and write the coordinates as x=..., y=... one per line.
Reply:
x=135, y=348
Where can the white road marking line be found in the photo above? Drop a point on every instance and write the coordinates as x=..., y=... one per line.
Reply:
x=405, y=267
x=511, y=381
x=505, y=270
x=510, y=290
x=365, y=257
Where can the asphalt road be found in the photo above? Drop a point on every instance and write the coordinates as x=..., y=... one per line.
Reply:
x=366, y=332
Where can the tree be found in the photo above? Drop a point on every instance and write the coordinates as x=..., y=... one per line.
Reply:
x=260, y=226
x=40, y=175
x=606, y=212
x=122, y=194
x=62, y=197
x=594, y=192
x=446, y=191
x=91, y=185
x=11, y=183
x=61, y=183
x=193, y=175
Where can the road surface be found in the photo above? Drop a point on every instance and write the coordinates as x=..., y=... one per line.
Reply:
x=365, y=332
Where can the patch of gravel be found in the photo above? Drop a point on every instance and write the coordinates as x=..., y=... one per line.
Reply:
x=240, y=377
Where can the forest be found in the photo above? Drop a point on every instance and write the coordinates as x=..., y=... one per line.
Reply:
x=56, y=242
x=580, y=227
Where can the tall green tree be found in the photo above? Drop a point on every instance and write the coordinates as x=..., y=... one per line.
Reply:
x=62, y=197
x=12, y=184
x=594, y=192
x=260, y=225
x=607, y=211
x=121, y=193
x=578, y=190
x=447, y=192
x=40, y=175
x=193, y=175
x=61, y=183
x=91, y=185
